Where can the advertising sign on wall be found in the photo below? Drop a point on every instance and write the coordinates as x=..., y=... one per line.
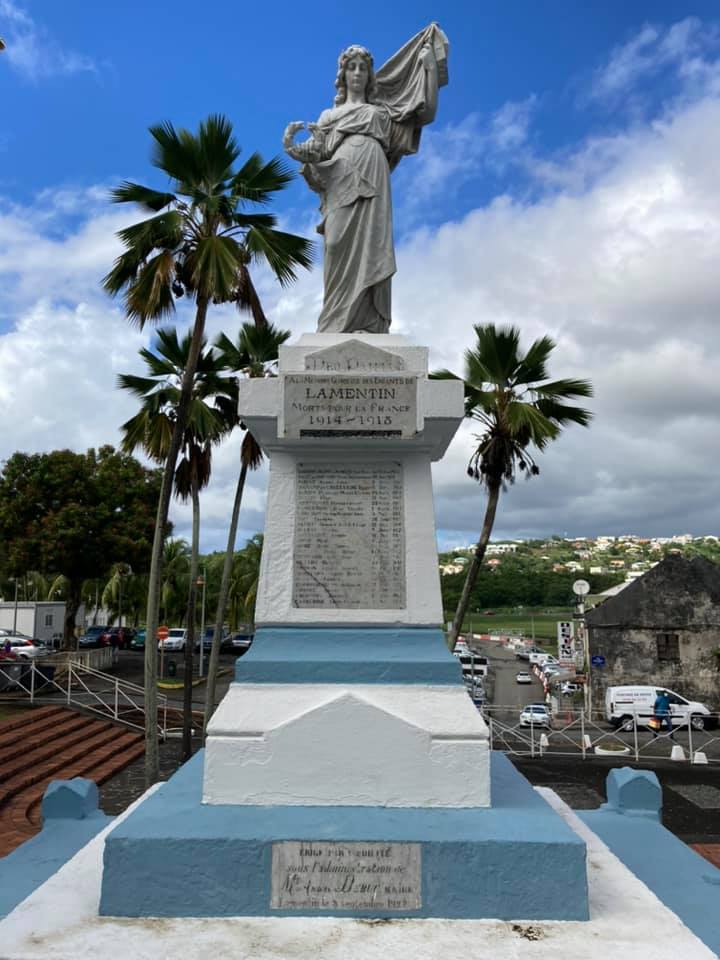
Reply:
x=566, y=650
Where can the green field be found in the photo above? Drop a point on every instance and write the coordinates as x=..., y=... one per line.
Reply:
x=543, y=626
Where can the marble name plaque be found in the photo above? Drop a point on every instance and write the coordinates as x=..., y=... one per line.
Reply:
x=317, y=875
x=349, y=537
x=335, y=404
x=353, y=356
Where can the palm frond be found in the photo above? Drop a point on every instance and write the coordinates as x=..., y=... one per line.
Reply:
x=214, y=264
x=150, y=296
x=250, y=452
x=218, y=149
x=163, y=232
x=129, y=192
x=256, y=181
x=281, y=251
x=176, y=153
x=533, y=366
x=564, y=388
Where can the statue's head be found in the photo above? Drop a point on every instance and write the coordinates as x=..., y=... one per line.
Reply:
x=355, y=66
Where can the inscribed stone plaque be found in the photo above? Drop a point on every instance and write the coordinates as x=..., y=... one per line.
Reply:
x=353, y=356
x=335, y=404
x=317, y=875
x=349, y=537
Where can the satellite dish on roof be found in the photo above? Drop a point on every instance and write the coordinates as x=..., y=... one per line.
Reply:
x=581, y=588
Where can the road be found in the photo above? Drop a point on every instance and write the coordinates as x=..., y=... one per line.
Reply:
x=507, y=698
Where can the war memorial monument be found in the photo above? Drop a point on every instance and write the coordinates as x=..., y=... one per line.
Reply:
x=347, y=774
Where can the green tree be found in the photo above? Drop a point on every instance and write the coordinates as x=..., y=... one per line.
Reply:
x=175, y=579
x=200, y=242
x=213, y=403
x=254, y=354
x=73, y=514
x=122, y=592
x=244, y=581
x=519, y=410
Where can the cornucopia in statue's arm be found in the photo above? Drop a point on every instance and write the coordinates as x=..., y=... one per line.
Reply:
x=376, y=119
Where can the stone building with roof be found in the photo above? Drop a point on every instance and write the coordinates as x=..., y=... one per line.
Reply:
x=663, y=628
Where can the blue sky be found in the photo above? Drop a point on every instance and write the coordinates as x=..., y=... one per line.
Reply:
x=569, y=184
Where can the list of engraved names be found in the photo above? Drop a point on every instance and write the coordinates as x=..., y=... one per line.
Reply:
x=317, y=875
x=349, y=537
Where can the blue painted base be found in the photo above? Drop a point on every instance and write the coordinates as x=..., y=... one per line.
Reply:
x=175, y=857
x=71, y=818
x=679, y=877
x=349, y=655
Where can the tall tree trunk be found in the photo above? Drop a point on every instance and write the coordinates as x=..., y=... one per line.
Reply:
x=72, y=605
x=152, y=756
x=222, y=599
x=478, y=556
x=190, y=635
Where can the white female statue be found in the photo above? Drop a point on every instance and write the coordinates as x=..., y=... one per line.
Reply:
x=353, y=147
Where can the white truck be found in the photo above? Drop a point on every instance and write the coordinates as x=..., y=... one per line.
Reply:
x=625, y=706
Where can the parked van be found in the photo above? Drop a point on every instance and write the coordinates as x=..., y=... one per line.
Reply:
x=540, y=657
x=623, y=704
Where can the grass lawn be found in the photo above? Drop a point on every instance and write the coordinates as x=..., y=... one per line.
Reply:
x=543, y=626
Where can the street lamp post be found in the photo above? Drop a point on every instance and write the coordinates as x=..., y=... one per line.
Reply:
x=16, y=605
x=201, y=582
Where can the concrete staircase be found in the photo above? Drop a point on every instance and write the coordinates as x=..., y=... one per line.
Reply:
x=49, y=743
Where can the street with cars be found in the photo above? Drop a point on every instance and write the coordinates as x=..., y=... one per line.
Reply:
x=521, y=712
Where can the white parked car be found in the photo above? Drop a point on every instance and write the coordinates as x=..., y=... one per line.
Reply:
x=523, y=677
x=175, y=640
x=535, y=715
x=569, y=688
x=24, y=647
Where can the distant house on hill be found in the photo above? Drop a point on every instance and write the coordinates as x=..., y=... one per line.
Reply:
x=661, y=628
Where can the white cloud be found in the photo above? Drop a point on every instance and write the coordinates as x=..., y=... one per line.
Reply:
x=33, y=52
x=686, y=47
x=452, y=154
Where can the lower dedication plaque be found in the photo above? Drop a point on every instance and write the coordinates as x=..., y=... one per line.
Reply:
x=316, y=875
x=349, y=537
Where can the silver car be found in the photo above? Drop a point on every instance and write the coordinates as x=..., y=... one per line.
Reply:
x=24, y=647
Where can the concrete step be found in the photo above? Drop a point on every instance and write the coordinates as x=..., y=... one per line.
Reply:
x=29, y=718
x=22, y=813
x=65, y=726
x=100, y=734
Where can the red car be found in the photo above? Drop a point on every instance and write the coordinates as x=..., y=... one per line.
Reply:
x=119, y=637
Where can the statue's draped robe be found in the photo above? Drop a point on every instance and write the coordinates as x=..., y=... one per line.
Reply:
x=359, y=148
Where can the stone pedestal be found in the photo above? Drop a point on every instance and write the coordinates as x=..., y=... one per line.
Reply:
x=349, y=576
x=346, y=771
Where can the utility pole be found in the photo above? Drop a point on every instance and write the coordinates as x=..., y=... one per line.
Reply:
x=201, y=582
x=15, y=610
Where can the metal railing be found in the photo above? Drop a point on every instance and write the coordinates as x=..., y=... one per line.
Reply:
x=579, y=734
x=77, y=685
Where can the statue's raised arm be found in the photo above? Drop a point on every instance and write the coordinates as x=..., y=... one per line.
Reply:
x=376, y=119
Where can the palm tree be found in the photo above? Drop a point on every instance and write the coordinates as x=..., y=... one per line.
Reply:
x=175, y=570
x=199, y=242
x=518, y=409
x=254, y=354
x=114, y=596
x=151, y=428
x=246, y=576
